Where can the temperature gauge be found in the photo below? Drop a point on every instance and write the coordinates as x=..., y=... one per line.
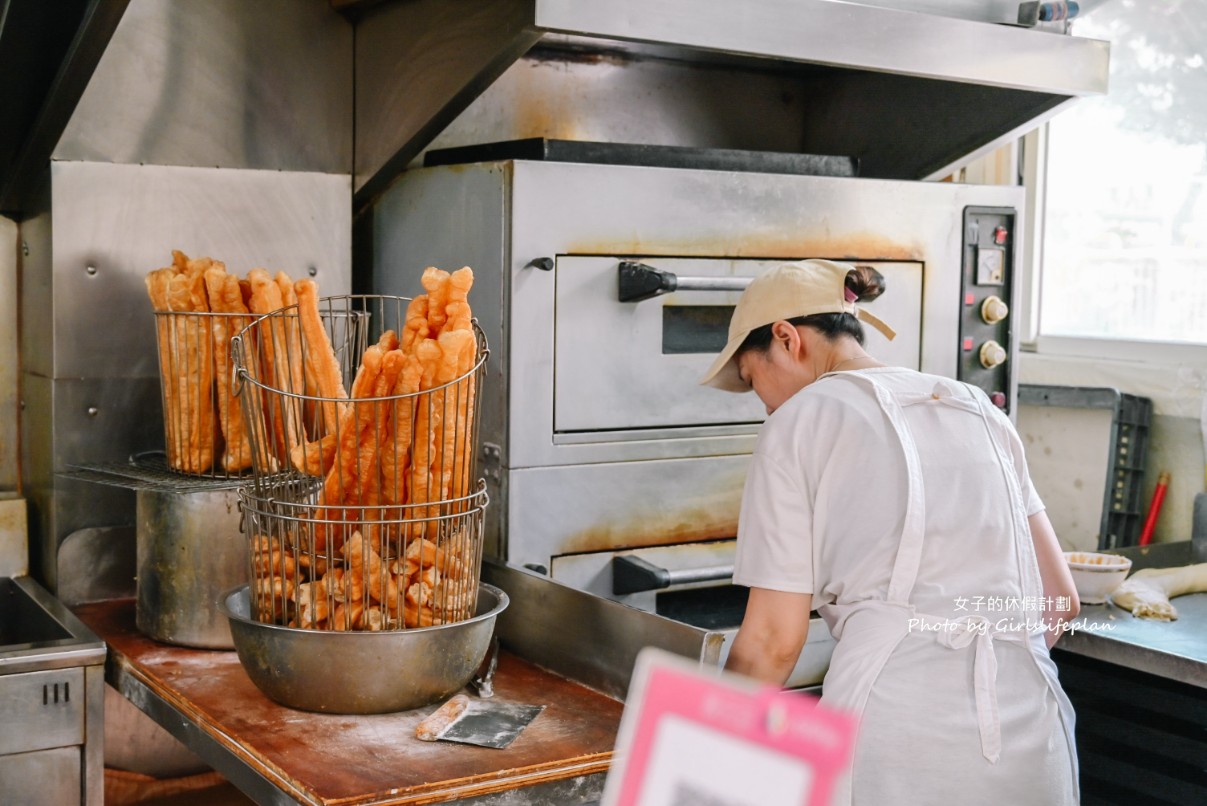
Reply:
x=990, y=266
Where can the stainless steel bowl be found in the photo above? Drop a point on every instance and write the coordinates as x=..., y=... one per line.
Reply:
x=361, y=672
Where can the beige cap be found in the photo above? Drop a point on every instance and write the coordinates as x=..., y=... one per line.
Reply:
x=789, y=290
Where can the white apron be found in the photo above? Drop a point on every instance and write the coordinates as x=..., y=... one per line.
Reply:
x=869, y=633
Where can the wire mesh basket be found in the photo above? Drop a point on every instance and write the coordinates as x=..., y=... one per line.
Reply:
x=203, y=433
x=391, y=572
x=369, y=472
x=205, y=430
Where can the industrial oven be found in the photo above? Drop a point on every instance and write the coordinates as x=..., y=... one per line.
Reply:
x=605, y=289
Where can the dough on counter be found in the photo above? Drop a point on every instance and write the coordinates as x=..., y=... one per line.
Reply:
x=1147, y=592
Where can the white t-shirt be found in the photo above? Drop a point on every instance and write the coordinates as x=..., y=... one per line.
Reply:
x=824, y=501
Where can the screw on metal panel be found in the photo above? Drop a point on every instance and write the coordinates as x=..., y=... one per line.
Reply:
x=93, y=411
x=90, y=269
x=25, y=248
x=312, y=270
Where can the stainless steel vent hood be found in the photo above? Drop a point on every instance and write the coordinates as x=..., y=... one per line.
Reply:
x=909, y=94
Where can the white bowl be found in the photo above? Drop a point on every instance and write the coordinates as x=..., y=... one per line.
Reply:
x=1096, y=575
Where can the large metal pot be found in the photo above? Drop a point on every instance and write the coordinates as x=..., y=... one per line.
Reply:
x=361, y=672
x=190, y=550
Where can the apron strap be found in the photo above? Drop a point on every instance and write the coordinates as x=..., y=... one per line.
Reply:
x=1028, y=564
x=959, y=634
x=909, y=549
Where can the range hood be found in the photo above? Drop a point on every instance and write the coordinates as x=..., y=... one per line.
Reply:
x=910, y=95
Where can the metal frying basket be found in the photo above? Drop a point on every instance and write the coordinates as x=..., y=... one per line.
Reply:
x=205, y=429
x=201, y=417
x=391, y=573
x=344, y=487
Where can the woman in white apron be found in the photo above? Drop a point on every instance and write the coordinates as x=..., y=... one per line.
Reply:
x=899, y=506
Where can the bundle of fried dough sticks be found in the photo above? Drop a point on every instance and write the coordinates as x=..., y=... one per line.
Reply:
x=360, y=590
x=204, y=427
x=384, y=546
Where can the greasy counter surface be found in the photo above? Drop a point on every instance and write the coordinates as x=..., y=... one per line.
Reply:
x=327, y=759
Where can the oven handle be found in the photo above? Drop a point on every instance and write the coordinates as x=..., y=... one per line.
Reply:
x=639, y=281
x=633, y=574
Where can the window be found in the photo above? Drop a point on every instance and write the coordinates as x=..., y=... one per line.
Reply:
x=1125, y=221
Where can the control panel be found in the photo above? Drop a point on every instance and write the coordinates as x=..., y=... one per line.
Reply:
x=986, y=283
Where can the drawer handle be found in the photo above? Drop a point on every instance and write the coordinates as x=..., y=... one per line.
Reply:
x=640, y=282
x=632, y=574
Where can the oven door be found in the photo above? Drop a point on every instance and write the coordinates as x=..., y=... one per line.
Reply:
x=624, y=369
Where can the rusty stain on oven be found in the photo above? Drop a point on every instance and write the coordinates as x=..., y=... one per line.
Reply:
x=863, y=246
x=542, y=114
x=644, y=527
x=634, y=535
x=546, y=56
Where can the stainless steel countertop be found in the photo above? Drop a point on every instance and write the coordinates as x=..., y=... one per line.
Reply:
x=1176, y=650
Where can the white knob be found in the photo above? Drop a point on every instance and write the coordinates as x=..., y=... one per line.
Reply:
x=993, y=310
x=992, y=354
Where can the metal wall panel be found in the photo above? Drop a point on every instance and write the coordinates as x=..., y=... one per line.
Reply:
x=230, y=83
x=89, y=372
x=58, y=429
x=9, y=364
x=114, y=223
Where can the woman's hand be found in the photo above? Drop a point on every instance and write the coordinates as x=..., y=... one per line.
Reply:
x=772, y=634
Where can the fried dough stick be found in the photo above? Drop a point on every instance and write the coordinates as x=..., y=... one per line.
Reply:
x=294, y=368
x=428, y=414
x=435, y=282
x=340, y=484
x=457, y=348
x=416, y=327
x=395, y=459
x=315, y=458
x=376, y=444
x=320, y=362
x=367, y=564
x=225, y=297
x=193, y=371
x=158, y=288
x=368, y=475
x=457, y=311
x=282, y=410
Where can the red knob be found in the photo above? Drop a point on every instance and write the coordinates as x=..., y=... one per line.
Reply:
x=998, y=399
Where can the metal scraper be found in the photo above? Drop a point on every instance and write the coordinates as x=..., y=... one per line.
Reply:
x=485, y=723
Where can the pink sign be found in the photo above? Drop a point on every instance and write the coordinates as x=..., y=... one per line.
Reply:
x=716, y=739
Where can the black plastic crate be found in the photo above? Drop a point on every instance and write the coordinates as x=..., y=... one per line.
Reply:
x=1131, y=419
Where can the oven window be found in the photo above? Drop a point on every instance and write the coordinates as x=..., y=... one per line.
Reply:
x=695, y=328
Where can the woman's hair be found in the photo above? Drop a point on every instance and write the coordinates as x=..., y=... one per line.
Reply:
x=863, y=281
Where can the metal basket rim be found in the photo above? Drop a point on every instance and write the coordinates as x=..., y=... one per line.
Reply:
x=504, y=601
x=478, y=501
x=243, y=376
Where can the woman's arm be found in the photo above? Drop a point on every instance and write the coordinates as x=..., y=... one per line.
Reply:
x=1055, y=575
x=772, y=634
